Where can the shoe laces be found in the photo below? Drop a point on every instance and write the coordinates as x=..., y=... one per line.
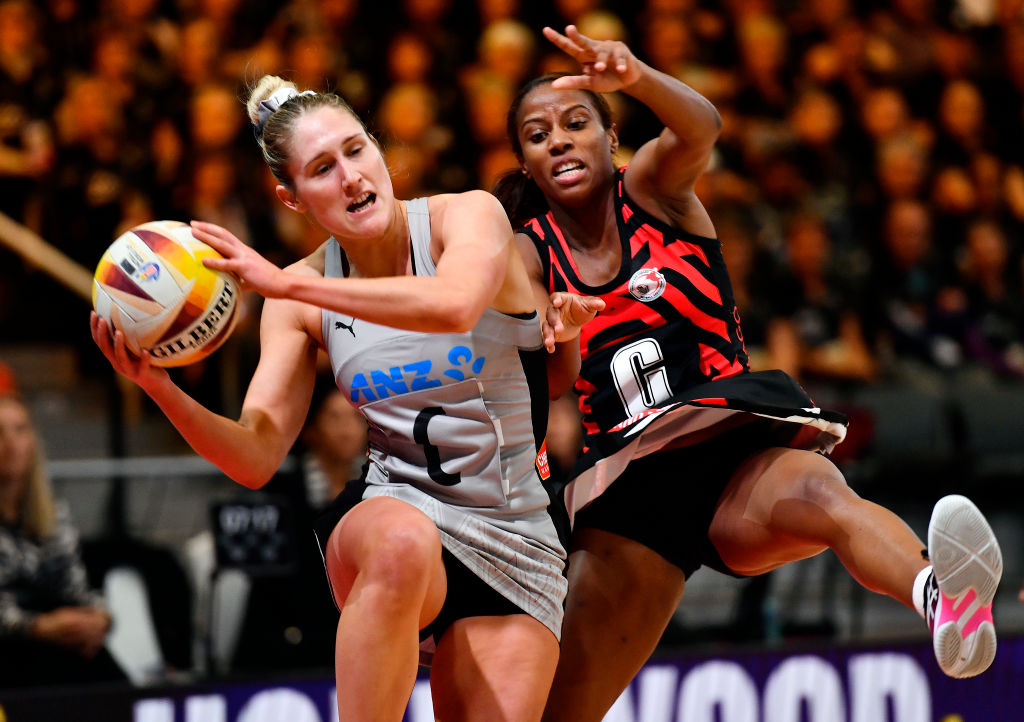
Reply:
x=932, y=595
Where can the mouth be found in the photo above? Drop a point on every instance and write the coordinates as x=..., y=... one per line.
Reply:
x=361, y=203
x=568, y=170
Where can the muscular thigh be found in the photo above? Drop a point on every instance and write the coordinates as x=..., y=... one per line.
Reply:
x=776, y=509
x=493, y=668
x=667, y=500
x=621, y=597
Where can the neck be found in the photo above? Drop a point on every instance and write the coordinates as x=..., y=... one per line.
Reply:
x=585, y=228
x=9, y=499
x=384, y=255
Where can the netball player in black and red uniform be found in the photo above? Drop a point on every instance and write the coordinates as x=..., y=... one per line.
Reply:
x=690, y=458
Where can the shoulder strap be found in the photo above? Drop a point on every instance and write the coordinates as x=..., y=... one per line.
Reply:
x=335, y=265
x=419, y=237
x=533, y=229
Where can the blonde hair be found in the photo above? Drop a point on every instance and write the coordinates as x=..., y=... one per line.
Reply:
x=37, y=517
x=274, y=131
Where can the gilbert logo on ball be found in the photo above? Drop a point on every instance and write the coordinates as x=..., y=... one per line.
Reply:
x=152, y=285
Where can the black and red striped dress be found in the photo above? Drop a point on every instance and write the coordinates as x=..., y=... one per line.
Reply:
x=666, y=356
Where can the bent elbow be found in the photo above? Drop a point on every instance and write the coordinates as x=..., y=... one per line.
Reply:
x=251, y=482
x=253, y=476
x=455, y=318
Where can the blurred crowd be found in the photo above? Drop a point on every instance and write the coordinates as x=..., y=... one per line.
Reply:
x=868, y=185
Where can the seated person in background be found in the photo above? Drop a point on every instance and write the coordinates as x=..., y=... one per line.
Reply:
x=822, y=304
x=333, y=443
x=289, y=619
x=52, y=626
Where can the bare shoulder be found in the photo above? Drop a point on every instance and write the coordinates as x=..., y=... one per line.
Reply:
x=479, y=203
x=681, y=208
x=527, y=249
x=313, y=264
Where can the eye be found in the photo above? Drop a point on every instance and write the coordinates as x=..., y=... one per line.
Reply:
x=537, y=137
x=354, y=151
x=321, y=168
x=576, y=124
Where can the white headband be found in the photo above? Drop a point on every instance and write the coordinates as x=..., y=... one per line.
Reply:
x=269, y=106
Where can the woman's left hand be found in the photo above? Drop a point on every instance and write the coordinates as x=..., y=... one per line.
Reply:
x=608, y=65
x=254, y=272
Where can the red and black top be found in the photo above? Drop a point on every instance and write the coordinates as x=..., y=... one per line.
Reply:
x=670, y=333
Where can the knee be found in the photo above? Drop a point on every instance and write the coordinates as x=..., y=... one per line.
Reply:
x=404, y=556
x=823, y=486
x=397, y=554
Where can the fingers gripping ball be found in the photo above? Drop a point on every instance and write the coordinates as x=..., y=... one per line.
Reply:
x=152, y=285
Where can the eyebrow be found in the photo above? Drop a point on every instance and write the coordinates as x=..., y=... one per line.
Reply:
x=533, y=119
x=344, y=142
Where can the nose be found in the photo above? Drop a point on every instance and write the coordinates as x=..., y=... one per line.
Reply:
x=559, y=141
x=350, y=176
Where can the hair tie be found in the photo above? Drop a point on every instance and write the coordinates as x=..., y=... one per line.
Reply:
x=270, y=106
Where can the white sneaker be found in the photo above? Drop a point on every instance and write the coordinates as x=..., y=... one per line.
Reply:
x=967, y=565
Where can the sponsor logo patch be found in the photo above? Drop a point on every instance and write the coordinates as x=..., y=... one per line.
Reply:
x=647, y=284
x=149, y=272
x=543, y=467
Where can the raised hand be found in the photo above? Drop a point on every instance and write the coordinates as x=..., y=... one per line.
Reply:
x=254, y=271
x=608, y=65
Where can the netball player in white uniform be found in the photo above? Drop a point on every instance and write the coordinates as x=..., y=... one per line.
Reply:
x=431, y=328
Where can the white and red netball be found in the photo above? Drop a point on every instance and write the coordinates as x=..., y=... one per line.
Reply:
x=152, y=285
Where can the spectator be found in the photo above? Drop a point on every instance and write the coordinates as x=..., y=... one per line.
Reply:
x=914, y=299
x=408, y=119
x=995, y=306
x=962, y=124
x=289, y=620
x=52, y=626
x=409, y=59
x=493, y=10
x=28, y=89
x=769, y=338
x=833, y=350
x=334, y=439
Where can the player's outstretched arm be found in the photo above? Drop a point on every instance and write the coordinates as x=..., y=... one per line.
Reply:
x=251, y=449
x=665, y=168
x=471, y=272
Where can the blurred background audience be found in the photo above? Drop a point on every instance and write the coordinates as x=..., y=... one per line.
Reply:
x=844, y=125
x=868, y=185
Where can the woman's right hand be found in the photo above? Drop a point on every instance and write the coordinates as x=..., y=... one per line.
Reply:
x=254, y=272
x=608, y=65
x=135, y=368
